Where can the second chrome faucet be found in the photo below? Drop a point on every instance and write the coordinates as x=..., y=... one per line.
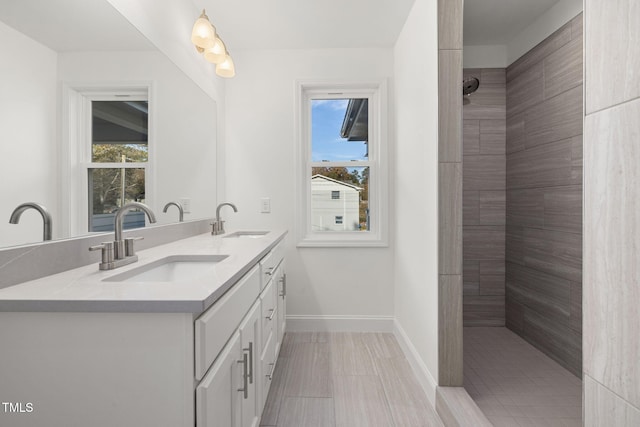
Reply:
x=218, y=224
x=121, y=251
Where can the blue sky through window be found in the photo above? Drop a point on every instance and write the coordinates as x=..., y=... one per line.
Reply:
x=326, y=144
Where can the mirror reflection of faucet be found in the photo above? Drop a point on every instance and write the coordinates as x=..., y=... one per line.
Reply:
x=180, y=210
x=46, y=217
x=121, y=252
x=218, y=224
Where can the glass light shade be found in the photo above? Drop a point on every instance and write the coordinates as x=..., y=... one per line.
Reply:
x=217, y=53
x=203, y=34
x=226, y=68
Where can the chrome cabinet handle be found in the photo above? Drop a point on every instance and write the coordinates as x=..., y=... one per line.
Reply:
x=250, y=350
x=270, y=374
x=269, y=270
x=273, y=312
x=283, y=280
x=245, y=377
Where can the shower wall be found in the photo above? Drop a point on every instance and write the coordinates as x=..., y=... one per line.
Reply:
x=544, y=196
x=484, y=168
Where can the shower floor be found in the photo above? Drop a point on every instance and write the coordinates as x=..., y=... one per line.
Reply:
x=516, y=385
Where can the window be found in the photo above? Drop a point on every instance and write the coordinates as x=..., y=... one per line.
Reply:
x=108, y=153
x=342, y=176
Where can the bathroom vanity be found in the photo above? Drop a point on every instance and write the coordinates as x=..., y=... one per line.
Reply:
x=189, y=335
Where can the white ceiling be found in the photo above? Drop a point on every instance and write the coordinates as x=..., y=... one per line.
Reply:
x=73, y=25
x=496, y=22
x=297, y=24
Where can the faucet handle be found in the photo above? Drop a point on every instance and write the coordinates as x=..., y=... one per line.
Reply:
x=107, y=252
x=128, y=245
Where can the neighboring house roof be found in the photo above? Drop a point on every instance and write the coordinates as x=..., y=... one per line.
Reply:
x=355, y=125
x=355, y=187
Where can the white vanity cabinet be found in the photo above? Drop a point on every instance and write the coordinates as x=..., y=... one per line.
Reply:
x=281, y=304
x=147, y=360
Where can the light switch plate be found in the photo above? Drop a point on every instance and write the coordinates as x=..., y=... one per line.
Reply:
x=265, y=205
x=186, y=204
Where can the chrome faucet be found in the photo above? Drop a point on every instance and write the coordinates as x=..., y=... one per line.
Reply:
x=180, y=209
x=218, y=224
x=121, y=252
x=46, y=217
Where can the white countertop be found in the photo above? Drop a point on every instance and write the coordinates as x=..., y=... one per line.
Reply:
x=83, y=289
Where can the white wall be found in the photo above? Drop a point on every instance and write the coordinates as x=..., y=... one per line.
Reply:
x=416, y=182
x=184, y=143
x=28, y=151
x=487, y=56
x=260, y=162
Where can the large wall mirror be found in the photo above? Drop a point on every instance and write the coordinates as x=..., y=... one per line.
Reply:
x=93, y=115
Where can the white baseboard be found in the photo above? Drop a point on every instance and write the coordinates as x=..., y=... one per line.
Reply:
x=423, y=375
x=340, y=323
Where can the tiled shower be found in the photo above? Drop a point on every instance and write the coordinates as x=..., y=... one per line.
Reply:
x=522, y=197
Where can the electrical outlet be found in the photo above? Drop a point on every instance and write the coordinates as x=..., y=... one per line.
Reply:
x=186, y=204
x=265, y=205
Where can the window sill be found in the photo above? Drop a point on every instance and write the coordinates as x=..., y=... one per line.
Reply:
x=342, y=241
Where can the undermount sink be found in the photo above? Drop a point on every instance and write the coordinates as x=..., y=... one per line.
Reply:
x=246, y=234
x=175, y=268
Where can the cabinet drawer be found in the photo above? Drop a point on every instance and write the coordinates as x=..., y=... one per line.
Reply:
x=268, y=365
x=268, y=308
x=215, y=326
x=269, y=263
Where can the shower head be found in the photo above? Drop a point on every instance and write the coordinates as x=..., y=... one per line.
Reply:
x=470, y=85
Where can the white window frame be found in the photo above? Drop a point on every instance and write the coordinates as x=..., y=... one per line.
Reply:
x=376, y=92
x=76, y=148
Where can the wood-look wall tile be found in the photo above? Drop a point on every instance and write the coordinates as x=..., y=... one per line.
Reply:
x=488, y=102
x=484, y=242
x=603, y=408
x=497, y=127
x=525, y=207
x=611, y=233
x=576, y=307
x=525, y=90
x=558, y=341
x=563, y=208
x=450, y=24
x=546, y=294
x=563, y=69
x=471, y=137
x=491, y=284
x=555, y=119
x=514, y=242
x=515, y=133
x=544, y=166
x=450, y=331
x=449, y=106
x=552, y=43
x=491, y=143
x=493, y=76
x=613, y=53
x=483, y=311
x=514, y=313
x=471, y=207
x=472, y=72
x=492, y=267
x=577, y=145
x=471, y=277
x=450, y=218
x=484, y=172
x=307, y=411
x=360, y=402
x=577, y=25
x=554, y=252
x=492, y=208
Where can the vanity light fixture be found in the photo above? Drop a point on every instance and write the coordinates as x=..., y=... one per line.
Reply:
x=209, y=43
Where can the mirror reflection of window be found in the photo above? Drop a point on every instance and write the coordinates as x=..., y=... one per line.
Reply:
x=119, y=154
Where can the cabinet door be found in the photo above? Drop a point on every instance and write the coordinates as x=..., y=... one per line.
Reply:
x=219, y=396
x=249, y=336
x=281, y=305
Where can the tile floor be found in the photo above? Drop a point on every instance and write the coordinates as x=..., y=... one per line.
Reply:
x=345, y=380
x=515, y=384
